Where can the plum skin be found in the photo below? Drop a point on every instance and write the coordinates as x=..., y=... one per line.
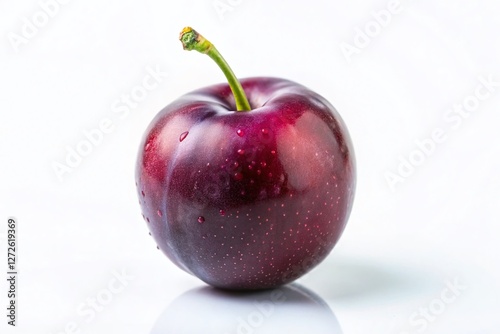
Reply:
x=247, y=200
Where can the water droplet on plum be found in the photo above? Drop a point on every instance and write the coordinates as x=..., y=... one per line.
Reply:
x=201, y=219
x=159, y=213
x=238, y=176
x=241, y=151
x=183, y=135
x=222, y=212
x=240, y=132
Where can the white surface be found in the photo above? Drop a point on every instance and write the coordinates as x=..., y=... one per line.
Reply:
x=401, y=248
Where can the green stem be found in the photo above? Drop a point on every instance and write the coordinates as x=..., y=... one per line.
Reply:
x=192, y=40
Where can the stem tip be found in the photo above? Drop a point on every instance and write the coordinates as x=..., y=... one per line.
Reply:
x=192, y=40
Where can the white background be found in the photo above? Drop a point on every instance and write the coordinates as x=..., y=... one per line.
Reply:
x=403, y=246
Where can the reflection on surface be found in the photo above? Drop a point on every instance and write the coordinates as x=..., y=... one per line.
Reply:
x=360, y=280
x=289, y=309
